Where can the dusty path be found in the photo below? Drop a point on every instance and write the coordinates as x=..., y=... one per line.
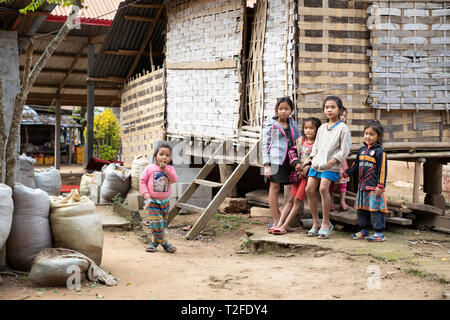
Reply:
x=213, y=270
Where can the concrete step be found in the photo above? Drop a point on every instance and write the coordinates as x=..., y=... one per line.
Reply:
x=114, y=222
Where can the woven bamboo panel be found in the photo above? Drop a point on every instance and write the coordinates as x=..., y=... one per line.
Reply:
x=142, y=114
x=411, y=55
x=333, y=41
x=254, y=111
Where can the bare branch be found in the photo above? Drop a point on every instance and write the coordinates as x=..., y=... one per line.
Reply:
x=27, y=83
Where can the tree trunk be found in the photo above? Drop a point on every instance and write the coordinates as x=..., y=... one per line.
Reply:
x=27, y=82
x=2, y=129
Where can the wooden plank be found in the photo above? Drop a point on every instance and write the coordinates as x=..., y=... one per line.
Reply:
x=143, y=18
x=207, y=183
x=337, y=67
x=332, y=26
x=332, y=55
x=424, y=208
x=190, y=208
x=222, y=194
x=348, y=217
x=225, y=64
x=334, y=80
x=336, y=41
x=398, y=220
x=260, y=212
x=307, y=11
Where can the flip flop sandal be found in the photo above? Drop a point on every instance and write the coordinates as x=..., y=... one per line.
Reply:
x=279, y=231
x=376, y=237
x=152, y=247
x=168, y=247
x=358, y=236
x=324, y=234
x=312, y=232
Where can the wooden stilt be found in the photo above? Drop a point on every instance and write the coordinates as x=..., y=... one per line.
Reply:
x=417, y=176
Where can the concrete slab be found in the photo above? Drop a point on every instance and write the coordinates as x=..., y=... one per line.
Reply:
x=405, y=245
x=111, y=221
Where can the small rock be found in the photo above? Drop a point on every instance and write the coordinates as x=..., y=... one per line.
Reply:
x=319, y=254
x=336, y=296
x=446, y=295
x=187, y=228
x=99, y=296
x=412, y=242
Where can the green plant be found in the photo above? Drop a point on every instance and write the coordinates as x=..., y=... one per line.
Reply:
x=106, y=135
x=117, y=199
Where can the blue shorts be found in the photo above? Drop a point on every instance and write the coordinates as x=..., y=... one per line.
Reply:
x=330, y=175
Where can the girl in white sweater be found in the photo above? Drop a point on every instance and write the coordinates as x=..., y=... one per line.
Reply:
x=331, y=148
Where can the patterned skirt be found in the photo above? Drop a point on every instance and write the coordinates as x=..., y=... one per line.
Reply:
x=366, y=200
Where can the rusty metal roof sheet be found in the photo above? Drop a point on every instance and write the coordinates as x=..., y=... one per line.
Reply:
x=31, y=117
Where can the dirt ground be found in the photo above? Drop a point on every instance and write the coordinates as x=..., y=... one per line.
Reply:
x=223, y=266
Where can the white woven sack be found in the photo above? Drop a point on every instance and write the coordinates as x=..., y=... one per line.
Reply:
x=85, y=184
x=6, y=212
x=117, y=181
x=30, y=230
x=48, y=180
x=76, y=225
x=26, y=171
x=138, y=166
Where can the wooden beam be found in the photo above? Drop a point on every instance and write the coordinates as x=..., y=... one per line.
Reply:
x=146, y=5
x=16, y=23
x=143, y=19
x=55, y=86
x=98, y=39
x=57, y=55
x=49, y=37
x=108, y=79
x=72, y=66
x=38, y=13
x=89, y=146
x=417, y=176
x=57, y=157
x=125, y=52
x=63, y=71
x=146, y=40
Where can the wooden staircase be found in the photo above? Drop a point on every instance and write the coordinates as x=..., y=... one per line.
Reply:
x=250, y=158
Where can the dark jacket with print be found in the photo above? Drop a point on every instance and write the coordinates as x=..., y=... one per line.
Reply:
x=371, y=164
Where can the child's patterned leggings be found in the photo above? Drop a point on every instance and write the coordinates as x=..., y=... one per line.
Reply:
x=158, y=211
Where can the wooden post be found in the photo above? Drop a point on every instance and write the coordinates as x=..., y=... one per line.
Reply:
x=432, y=184
x=152, y=65
x=3, y=257
x=417, y=176
x=58, y=132
x=89, y=145
x=69, y=161
x=226, y=170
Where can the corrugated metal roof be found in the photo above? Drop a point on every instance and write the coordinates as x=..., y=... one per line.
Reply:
x=95, y=9
x=31, y=117
x=129, y=35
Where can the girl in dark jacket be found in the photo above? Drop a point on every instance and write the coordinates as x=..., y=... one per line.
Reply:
x=371, y=163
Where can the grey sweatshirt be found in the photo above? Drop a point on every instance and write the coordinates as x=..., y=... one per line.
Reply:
x=331, y=143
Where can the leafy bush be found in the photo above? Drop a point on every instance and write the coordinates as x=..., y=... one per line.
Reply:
x=106, y=135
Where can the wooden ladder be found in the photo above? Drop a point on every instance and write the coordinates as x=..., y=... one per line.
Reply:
x=224, y=188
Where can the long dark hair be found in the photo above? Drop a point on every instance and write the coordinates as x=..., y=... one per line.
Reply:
x=377, y=127
x=335, y=99
x=160, y=146
x=316, y=122
x=284, y=99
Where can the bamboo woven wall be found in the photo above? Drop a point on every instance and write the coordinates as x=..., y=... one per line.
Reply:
x=333, y=40
x=142, y=115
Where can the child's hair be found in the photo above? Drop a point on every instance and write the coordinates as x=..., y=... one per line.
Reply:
x=342, y=110
x=316, y=122
x=377, y=127
x=160, y=146
x=335, y=99
x=284, y=99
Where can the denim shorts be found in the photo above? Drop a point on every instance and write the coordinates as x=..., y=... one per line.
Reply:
x=330, y=175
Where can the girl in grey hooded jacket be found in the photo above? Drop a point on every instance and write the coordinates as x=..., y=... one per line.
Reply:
x=279, y=135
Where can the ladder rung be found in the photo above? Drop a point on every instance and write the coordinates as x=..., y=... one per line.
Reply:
x=208, y=183
x=229, y=158
x=190, y=207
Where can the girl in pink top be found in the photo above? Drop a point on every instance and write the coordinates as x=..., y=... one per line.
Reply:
x=155, y=188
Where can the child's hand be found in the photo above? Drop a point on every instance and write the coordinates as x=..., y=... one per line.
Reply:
x=298, y=167
x=331, y=163
x=267, y=172
x=305, y=171
x=146, y=197
x=378, y=192
x=162, y=165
